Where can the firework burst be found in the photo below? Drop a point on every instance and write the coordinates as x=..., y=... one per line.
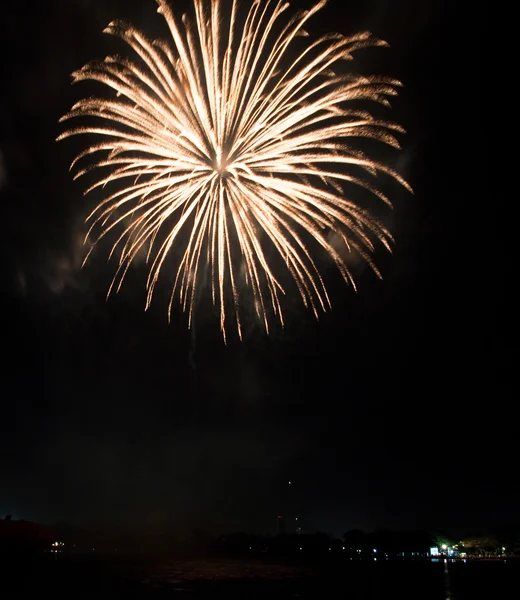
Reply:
x=229, y=144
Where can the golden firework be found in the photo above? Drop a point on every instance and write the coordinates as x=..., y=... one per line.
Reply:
x=230, y=143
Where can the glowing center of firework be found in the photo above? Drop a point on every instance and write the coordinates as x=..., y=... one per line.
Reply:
x=220, y=164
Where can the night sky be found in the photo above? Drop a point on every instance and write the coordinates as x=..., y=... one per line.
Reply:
x=394, y=410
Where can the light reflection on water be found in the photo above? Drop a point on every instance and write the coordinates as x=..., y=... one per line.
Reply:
x=260, y=579
x=448, y=595
x=371, y=580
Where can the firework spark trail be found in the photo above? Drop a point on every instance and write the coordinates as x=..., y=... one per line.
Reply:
x=234, y=138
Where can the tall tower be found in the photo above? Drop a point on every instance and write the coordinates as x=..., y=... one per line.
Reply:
x=297, y=527
x=290, y=509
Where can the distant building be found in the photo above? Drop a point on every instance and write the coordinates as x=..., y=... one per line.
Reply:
x=444, y=550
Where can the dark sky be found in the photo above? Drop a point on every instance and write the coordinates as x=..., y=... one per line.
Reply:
x=393, y=410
